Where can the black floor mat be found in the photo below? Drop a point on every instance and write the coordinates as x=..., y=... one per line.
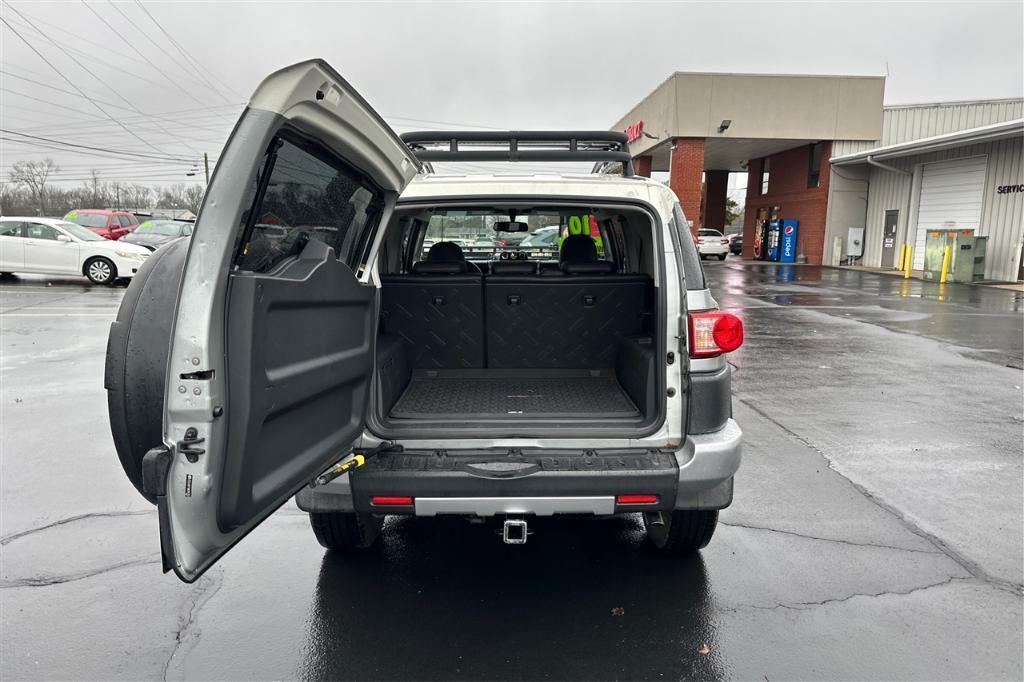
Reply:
x=475, y=396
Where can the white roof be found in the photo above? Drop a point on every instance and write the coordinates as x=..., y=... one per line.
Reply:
x=546, y=186
x=35, y=219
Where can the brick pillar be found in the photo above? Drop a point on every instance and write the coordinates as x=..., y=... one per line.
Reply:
x=716, y=190
x=685, y=173
x=642, y=166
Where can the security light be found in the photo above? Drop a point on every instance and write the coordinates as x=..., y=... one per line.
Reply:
x=724, y=125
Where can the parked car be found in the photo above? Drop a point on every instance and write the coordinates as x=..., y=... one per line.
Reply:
x=154, y=233
x=597, y=382
x=712, y=243
x=544, y=237
x=736, y=244
x=58, y=247
x=106, y=223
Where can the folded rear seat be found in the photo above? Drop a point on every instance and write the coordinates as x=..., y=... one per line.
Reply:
x=438, y=310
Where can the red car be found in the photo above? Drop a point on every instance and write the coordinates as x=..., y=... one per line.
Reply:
x=104, y=222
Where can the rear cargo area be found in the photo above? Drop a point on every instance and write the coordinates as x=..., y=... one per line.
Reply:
x=489, y=394
x=540, y=337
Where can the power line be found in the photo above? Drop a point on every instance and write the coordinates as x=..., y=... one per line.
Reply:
x=99, y=149
x=141, y=54
x=70, y=82
x=185, y=54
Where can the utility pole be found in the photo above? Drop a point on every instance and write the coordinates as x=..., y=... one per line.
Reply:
x=206, y=163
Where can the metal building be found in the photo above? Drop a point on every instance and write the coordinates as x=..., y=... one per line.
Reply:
x=942, y=166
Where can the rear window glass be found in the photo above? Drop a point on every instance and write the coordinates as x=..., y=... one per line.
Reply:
x=87, y=219
x=473, y=231
x=310, y=197
x=708, y=233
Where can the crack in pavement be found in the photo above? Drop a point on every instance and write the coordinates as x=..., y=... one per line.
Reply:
x=187, y=635
x=72, y=519
x=841, y=542
x=805, y=605
x=971, y=567
x=46, y=581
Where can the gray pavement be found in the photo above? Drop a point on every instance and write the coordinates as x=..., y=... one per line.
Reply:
x=876, y=531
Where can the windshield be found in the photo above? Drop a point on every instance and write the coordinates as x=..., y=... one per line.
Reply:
x=166, y=228
x=79, y=232
x=473, y=231
x=87, y=219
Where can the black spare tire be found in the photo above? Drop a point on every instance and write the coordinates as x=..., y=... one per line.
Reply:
x=137, y=350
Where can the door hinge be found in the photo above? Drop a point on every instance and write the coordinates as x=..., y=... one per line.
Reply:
x=155, y=465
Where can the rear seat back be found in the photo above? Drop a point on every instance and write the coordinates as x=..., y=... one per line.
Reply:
x=440, y=315
x=572, y=321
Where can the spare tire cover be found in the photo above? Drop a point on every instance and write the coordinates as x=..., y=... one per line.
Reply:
x=137, y=349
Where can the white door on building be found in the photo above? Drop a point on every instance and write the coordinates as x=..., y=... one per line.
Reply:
x=951, y=198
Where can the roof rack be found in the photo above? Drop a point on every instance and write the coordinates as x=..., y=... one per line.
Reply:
x=601, y=146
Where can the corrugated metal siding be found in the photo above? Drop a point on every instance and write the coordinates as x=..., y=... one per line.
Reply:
x=906, y=123
x=1002, y=216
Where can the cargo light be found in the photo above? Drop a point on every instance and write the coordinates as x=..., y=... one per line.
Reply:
x=713, y=333
x=390, y=501
x=636, y=499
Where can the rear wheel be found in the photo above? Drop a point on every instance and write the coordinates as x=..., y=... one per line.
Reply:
x=100, y=271
x=345, y=531
x=722, y=256
x=681, y=532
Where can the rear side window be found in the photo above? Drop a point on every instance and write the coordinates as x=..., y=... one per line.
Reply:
x=125, y=221
x=309, y=195
x=693, y=270
x=10, y=229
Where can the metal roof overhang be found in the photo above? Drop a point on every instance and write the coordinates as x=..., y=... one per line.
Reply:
x=960, y=138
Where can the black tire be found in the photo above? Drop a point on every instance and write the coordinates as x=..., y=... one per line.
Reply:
x=681, y=532
x=345, y=531
x=722, y=256
x=100, y=271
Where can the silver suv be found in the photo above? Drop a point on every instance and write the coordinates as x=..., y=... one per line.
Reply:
x=306, y=343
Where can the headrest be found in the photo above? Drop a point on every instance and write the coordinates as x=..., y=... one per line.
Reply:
x=426, y=267
x=577, y=248
x=597, y=267
x=514, y=267
x=446, y=252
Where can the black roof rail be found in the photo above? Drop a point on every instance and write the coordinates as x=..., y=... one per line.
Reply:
x=599, y=146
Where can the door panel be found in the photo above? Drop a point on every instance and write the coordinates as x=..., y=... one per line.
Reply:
x=12, y=247
x=43, y=253
x=889, y=238
x=300, y=352
x=272, y=341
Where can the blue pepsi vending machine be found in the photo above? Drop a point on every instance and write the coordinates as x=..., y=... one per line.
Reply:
x=774, y=228
x=788, y=249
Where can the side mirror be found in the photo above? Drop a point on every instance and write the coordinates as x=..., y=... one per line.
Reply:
x=63, y=238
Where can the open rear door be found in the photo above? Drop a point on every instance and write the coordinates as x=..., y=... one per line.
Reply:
x=272, y=343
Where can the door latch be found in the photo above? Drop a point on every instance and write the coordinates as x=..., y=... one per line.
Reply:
x=187, y=445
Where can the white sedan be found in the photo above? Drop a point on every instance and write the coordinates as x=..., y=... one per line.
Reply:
x=58, y=247
x=712, y=243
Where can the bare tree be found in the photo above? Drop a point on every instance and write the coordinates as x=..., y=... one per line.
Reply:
x=193, y=196
x=33, y=175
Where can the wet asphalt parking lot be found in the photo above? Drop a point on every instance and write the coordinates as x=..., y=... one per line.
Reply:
x=876, y=531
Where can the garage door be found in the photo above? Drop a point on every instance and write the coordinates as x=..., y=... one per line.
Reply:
x=951, y=197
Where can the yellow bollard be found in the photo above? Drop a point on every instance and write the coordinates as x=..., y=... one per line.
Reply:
x=908, y=260
x=903, y=253
x=945, y=265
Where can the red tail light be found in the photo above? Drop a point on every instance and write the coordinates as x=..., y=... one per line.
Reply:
x=725, y=241
x=390, y=501
x=713, y=333
x=636, y=499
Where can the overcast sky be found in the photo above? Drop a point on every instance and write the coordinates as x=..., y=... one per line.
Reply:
x=511, y=65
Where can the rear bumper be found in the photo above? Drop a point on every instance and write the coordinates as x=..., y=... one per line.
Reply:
x=698, y=476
